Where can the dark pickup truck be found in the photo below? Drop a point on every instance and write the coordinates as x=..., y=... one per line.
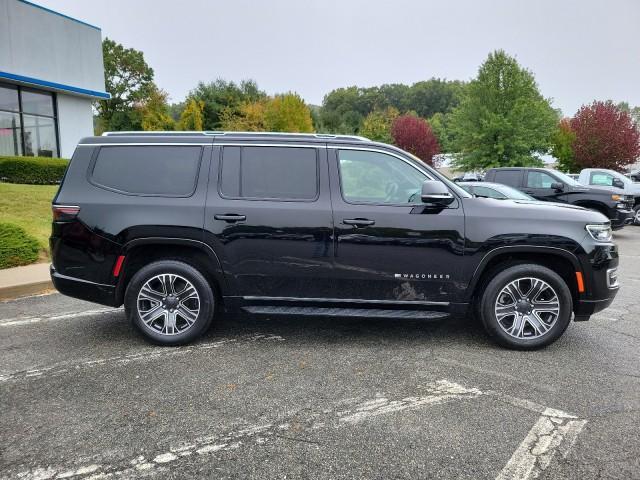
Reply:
x=553, y=186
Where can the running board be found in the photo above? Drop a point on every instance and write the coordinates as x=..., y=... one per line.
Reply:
x=345, y=312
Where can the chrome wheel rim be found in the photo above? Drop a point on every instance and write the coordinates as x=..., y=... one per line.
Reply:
x=168, y=304
x=527, y=308
x=637, y=217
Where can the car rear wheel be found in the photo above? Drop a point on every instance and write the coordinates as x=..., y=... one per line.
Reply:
x=170, y=302
x=526, y=307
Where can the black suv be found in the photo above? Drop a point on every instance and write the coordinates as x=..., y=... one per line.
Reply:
x=181, y=226
x=553, y=186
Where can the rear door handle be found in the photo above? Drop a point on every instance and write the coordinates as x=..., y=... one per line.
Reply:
x=231, y=217
x=358, y=222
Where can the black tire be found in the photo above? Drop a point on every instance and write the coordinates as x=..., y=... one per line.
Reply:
x=181, y=273
x=494, y=287
x=636, y=215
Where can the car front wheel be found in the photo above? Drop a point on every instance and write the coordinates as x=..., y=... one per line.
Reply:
x=526, y=307
x=636, y=215
x=170, y=302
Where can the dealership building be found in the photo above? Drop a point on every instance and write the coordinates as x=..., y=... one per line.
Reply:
x=51, y=70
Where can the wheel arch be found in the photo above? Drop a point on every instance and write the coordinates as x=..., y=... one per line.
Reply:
x=142, y=251
x=561, y=261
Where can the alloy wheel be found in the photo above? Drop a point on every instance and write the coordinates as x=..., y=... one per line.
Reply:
x=168, y=304
x=527, y=308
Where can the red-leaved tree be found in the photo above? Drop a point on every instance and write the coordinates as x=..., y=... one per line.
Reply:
x=414, y=135
x=605, y=137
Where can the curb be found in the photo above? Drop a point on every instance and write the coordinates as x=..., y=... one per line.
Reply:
x=17, y=291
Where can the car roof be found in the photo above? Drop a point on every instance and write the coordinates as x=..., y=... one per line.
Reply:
x=223, y=136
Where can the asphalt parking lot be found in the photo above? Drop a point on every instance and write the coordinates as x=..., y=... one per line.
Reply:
x=82, y=395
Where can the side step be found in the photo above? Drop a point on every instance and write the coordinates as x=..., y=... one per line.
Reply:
x=344, y=312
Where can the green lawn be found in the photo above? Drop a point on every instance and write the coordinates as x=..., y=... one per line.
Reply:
x=30, y=207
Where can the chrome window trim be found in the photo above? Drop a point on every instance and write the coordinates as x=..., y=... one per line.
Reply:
x=379, y=150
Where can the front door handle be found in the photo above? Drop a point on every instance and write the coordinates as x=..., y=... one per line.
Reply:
x=358, y=222
x=231, y=217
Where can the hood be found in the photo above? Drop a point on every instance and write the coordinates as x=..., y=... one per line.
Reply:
x=537, y=210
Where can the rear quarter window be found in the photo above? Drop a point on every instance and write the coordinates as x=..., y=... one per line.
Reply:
x=148, y=170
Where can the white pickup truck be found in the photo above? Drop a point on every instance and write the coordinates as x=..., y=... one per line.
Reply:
x=614, y=181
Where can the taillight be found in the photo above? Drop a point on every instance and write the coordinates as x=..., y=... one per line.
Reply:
x=64, y=213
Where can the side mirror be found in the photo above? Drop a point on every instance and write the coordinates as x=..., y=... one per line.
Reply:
x=617, y=183
x=557, y=186
x=436, y=193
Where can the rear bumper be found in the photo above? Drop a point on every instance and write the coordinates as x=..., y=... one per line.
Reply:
x=84, y=289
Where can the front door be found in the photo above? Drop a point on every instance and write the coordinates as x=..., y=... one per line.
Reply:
x=538, y=185
x=389, y=246
x=268, y=218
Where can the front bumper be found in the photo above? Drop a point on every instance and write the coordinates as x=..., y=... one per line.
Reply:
x=600, y=269
x=84, y=289
x=621, y=218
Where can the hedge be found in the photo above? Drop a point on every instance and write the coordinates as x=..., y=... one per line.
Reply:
x=17, y=247
x=32, y=170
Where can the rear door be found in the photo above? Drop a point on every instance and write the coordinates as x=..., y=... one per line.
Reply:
x=268, y=218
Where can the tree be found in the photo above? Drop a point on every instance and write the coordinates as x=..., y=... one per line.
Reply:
x=606, y=137
x=502, y=120
x=377, y=125
x=220, y=94
x=440, y=124
x=562, y=146
x=129, y=80
x=249, y=117
x=288, y=113
x=414, y=135
x=191, y=117
x=155, y=112
x=434, y=96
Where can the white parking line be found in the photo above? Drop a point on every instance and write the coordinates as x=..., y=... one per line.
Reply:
x=554, y=432
x=12, y=322
x=124, y=359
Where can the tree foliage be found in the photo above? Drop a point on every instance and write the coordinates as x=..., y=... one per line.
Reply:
x=344, y=109
x=129, y=80
x=413, y=134
x=220, y=95
x=249, y=117
x=503, y=120
x=562, y=146
x=288, y=113
x=606, y=137
x=377, y=125
x=154, y=113
x=191, y=118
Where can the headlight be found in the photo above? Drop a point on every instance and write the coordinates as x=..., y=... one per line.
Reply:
x=616, y=198
x=600, y=233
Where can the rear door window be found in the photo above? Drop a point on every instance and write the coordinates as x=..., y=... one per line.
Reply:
x=269, y=173
x=508, y=177
x=148, y=170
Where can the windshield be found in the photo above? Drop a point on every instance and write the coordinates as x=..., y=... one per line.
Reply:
x=566, y=179
x=514, y=193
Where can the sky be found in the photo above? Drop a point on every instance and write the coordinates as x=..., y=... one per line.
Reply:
x=578, y=50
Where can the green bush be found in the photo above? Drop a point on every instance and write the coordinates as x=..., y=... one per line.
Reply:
x=17, y=247
x=32, y=170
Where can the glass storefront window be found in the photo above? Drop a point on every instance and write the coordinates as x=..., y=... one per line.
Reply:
x=37, y=103
x=9, y=98
x=28, y=124
x=10, y=134
x=39, y=136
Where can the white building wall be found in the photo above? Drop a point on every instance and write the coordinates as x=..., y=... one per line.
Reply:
x=41, y=44
x=75, y=121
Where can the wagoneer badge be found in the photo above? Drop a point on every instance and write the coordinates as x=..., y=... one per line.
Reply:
x=422, y=276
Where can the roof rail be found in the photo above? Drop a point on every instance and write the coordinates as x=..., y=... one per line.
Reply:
x=220, y=133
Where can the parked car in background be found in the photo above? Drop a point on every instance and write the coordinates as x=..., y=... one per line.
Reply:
x=494, y=190
x=178, y=226
x=635, y=176
x=553, y=186
x=575, y=176
x=615, y=182
x=469, y=177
